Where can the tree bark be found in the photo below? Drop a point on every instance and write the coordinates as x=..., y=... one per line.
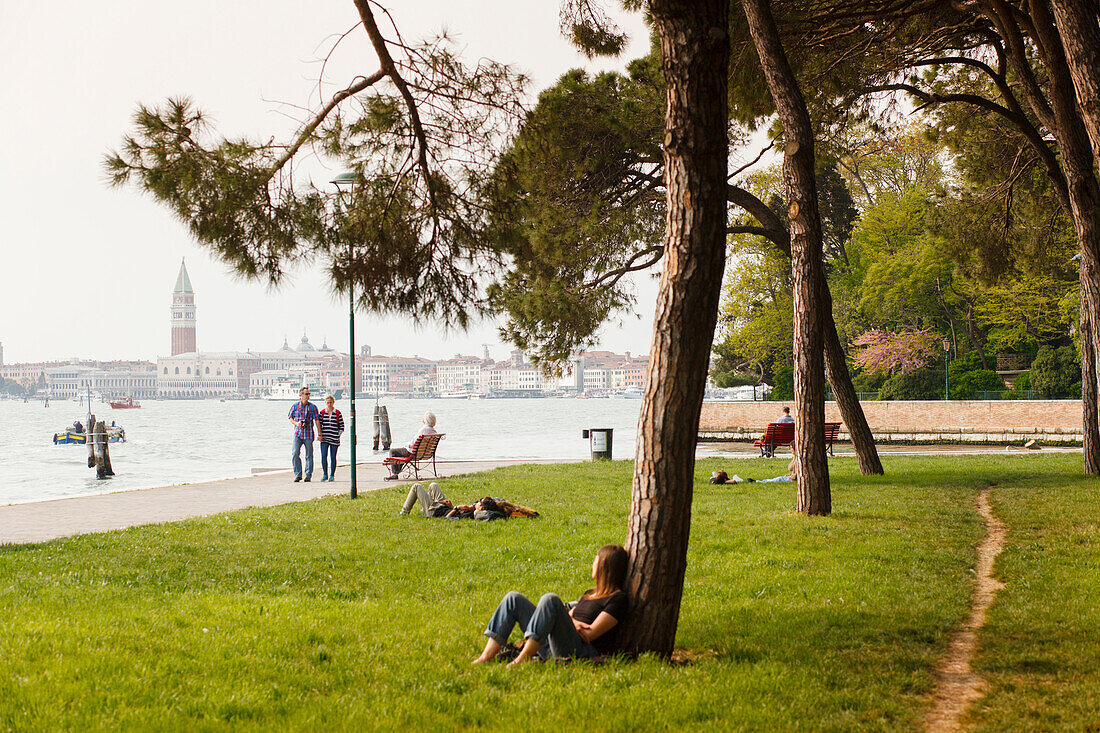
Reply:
x=836, y=364
x=836, y=361
x=1080, y=35
x=1083, y=187
x=695, y=58
x=1089, y=404
x=807, y=272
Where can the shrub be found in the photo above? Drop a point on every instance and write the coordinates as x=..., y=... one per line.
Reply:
x=967, y=385
x=783, y=389
x=923, y=384
x=734, y=379
x=1056, y=373
x=868, y=381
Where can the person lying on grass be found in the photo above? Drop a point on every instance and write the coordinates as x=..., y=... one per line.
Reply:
x=590, y=629
x=434, y=503
x=791, y=476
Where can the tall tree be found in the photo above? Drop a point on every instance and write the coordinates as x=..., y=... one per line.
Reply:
x=583, y=182
x=694, y=57
x=1018, y=48
x=807, y=272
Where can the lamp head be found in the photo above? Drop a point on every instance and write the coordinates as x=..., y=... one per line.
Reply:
x=347, y=178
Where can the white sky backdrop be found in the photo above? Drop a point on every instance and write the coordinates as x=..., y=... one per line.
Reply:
x=74, y=73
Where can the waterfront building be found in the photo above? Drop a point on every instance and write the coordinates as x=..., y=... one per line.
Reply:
x=376, y=372
x=460, y=374
x=418, y=382
x=196, y=374
x=137, y=379
x=27, y=373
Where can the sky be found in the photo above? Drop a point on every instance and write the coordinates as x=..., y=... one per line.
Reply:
x=89, y=269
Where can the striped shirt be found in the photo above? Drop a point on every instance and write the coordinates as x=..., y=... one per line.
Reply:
x=332, y=424
x=307, y=412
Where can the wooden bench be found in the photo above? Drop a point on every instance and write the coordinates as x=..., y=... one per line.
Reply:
x=780, y=434
x=832, y=430
x=423, y=451
x=777, y=435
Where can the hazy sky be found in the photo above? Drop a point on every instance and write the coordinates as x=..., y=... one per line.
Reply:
x=74, y=72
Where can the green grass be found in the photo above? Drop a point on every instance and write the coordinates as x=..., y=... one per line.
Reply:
x=335, y=614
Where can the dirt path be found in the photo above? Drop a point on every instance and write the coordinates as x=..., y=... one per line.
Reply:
x=957, y=684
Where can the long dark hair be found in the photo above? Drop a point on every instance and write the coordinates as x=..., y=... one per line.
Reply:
x=611, y=566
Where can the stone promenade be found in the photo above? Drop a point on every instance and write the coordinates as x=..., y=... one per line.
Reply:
x=47, y=520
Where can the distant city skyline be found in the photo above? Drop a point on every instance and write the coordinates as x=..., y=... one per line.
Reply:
x=185, y=305
x=91, y=267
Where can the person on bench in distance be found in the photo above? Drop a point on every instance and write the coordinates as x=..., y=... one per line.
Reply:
x=786, y=416
x=428, y=428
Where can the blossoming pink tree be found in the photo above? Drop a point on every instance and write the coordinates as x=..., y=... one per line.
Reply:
x=891, y=352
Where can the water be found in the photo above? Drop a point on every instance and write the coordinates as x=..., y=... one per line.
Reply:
x=173, y=442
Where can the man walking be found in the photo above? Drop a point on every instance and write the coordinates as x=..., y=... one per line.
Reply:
x=304, y=417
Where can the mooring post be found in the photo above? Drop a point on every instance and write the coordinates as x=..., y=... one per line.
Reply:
x=89, y=438
x=384, y=421
x=102, y=455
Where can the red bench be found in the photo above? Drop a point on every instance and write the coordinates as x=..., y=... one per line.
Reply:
x=780, y=434
x=777, y=435
x=423, y=451
x=832, y=430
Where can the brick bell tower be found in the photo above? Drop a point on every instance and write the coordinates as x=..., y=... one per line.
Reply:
x=183, y=314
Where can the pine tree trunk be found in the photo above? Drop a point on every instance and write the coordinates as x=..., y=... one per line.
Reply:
x=846, y=397
x=695, y=58
x=1080, y=36
x=1089, y=404
x=1066, y=62
x=807, y=273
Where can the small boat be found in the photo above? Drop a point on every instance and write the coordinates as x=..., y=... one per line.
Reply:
x=115, y=434
x=126, y=403
x=458, y=394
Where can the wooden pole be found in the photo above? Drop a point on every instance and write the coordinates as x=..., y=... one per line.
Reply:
x=102, y=455
x=89, y=439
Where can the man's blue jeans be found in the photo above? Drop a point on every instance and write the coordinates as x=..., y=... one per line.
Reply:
x=328, y=458
x=547, y=623
x=296, y=458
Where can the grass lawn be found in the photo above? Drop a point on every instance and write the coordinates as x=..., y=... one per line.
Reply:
x=335, y=614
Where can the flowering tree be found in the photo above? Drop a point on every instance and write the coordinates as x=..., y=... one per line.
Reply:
x=891, y=352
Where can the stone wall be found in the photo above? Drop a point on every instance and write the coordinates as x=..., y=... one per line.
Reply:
x=963, y=421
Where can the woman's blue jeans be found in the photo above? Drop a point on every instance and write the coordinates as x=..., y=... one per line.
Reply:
x=328, y=453
x=547, y=623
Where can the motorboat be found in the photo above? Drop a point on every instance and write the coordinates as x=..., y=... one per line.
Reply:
x=115, y=434
x=126, y=403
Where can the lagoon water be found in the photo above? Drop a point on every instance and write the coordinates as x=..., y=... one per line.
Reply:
x=172, y=442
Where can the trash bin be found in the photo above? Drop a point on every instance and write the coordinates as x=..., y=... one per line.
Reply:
x=599, y=441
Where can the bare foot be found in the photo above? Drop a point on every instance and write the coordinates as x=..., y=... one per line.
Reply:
x=481, y=660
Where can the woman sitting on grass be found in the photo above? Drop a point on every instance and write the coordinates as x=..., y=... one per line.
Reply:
x=590, y=629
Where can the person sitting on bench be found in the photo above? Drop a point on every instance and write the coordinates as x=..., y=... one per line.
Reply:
x=428, y=428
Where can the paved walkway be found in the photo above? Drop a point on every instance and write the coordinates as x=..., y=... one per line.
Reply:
x=47, y=520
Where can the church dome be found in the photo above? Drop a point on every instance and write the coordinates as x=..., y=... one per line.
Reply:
x=286, y=346
x=304, y=345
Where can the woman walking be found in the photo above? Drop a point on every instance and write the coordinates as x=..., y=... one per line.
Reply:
x=332, y=425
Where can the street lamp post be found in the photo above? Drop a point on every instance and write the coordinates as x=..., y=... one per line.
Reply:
x=946, y=376
x=340, y=181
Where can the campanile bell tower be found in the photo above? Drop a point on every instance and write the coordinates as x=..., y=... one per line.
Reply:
x=183, y=314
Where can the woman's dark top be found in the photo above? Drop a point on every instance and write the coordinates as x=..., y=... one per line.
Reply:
x=617, y=605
